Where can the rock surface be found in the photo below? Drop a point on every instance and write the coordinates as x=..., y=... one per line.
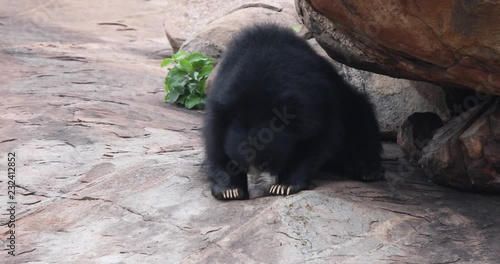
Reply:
x=465, y=152
x=213, y=38
x=452, y=43
x=394, y=99
x=108, y=173
x=186, y=17
x=415, y=134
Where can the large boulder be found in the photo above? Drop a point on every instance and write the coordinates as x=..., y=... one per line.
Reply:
x=465, y=153
x=448, y=42
x=213, y=38
x=186, y=17
x=394, y=99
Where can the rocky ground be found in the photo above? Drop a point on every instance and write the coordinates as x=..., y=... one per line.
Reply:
x=108, y=173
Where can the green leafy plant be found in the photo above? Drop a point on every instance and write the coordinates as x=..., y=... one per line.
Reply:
x=186, y=81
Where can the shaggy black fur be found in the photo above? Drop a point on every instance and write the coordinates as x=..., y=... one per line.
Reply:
x=279, y=107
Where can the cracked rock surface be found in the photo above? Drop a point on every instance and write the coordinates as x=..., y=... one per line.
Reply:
x=451, y=42
x=108, y=173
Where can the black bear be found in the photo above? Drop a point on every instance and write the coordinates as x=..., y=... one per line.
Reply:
x=278, y=108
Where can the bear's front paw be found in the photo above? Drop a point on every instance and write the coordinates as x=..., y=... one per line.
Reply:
x=228, y=193
x=285, y=189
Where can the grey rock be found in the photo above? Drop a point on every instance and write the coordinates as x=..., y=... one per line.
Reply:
x=183, y=18
x=212, y=39
x=394, y=99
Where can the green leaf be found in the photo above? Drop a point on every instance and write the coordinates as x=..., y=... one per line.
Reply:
x=192, y=86
x=205, y=71
x=182, y=99
x=178, y=87
x=166, y=84
x=196, y=57
x=198, y=64
x=166, y=62
x=186, y=65
x=201, y=104
x=177, y=73
x=186, y=81
x=203, y=86
x=172, y=96
x=177, y=77
x=192, y=101
x=297, y=28
x=210, y=60
x=179, y=55
x=199, y=89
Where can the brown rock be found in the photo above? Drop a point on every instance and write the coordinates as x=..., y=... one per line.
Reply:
x=473, y=138
x=450, y=42
x=416, y=132
x=465, y=152
x=492, y=153
x=495, y=126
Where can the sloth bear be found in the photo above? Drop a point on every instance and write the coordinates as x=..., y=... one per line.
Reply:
x=278, y=109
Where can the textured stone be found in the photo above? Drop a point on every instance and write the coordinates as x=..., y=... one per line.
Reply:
x=450, y=42
x=212, y=39
x=394, y=99
x=464, y=152
x=416, y=132
x=183, y=18
x=473, y=138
